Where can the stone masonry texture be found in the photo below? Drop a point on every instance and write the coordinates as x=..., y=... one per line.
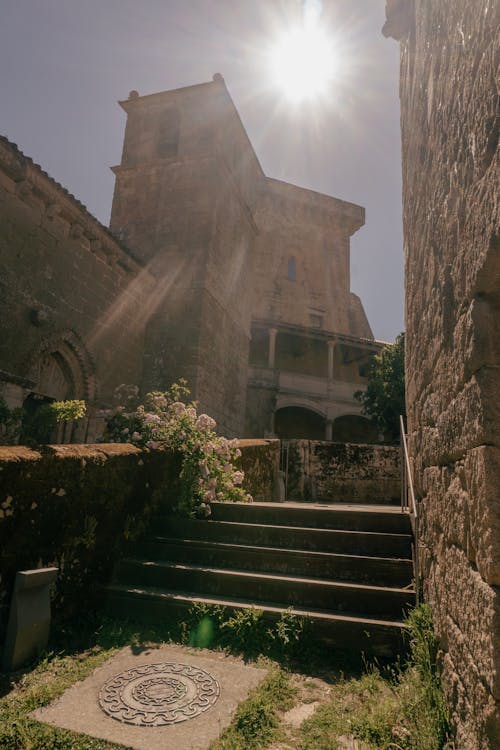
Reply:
x=449, y=113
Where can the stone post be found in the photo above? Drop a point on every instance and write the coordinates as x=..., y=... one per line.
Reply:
x=29, y=618
x=272, y=348
x=331, y=353
x=329, y=430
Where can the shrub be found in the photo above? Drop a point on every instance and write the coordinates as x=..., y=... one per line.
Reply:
x=207, y=459
x=384, y=398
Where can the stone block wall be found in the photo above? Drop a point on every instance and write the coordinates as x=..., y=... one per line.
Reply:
x=182, y=200
x=305, y=280
x=72, y=298
x=342, y=472
x=449, y=102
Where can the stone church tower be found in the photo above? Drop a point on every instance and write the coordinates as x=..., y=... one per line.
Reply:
x=212, y=272
x=183, y=203
x=253, y=303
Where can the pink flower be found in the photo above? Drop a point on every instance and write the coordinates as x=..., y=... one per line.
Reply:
x=178, y=408
x=238, y=477
x=204, y=422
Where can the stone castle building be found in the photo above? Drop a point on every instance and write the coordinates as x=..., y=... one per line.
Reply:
x=210, y=271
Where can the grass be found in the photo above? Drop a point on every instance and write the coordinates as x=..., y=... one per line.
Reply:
x=257, y=721
x=397, y=709
x=389, y=709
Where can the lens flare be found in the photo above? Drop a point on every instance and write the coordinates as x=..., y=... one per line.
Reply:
x=303, y=61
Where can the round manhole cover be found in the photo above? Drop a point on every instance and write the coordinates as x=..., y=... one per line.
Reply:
x=158, y=694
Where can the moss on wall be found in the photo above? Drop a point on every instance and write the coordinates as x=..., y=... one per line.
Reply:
x=342, y=472
x=76, y=507
x=260, y=461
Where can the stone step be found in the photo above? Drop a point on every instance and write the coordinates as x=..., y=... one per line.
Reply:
x=378, y=637
x=374, y=544
x=362, y=569
x=349, y=517
x=284, y=590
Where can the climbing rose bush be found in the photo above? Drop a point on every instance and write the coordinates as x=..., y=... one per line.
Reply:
x=207, y=459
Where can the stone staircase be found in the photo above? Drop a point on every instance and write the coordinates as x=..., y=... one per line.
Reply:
x=345, y=567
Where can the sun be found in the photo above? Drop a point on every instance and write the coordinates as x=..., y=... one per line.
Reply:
x=303, y=62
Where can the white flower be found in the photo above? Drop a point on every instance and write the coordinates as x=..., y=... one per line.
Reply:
x=238, y=477
x=178, y=408
x=136, y=436
x=191, y=412
x=152, y=419
x=204, y=422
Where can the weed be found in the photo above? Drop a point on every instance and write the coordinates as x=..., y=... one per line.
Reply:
x=257, y=723
x=401, y=710
x=244, y=631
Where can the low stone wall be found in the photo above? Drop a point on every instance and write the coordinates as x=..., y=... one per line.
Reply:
x=342, y=472
x=79, y=506
x=260, y=460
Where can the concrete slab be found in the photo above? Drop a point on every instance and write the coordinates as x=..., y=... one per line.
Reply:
x=185, y=696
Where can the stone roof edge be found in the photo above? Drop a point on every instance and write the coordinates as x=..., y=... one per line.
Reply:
x=321, y=200
x=28, y=164
x=217, y=80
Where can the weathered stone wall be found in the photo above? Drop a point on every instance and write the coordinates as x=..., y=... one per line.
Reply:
x=71, y=297
x=79, y=506
x=183, y=200
x=342, y=472
x=305, y=280
x=260, y=460
x=449, y=100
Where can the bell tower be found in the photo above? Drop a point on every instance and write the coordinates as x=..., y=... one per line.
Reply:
x=183, y=204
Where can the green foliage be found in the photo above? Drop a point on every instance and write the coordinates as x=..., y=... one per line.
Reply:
x=38, y=427
x=404, y=710
x=420, y=685
x=245, y=631
x=384, y=398
x=207, y=460
x=10, y=424
x=257, y=723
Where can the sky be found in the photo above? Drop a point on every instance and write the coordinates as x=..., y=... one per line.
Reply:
x=65, y=63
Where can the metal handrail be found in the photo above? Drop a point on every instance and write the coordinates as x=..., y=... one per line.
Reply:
x=409, y=504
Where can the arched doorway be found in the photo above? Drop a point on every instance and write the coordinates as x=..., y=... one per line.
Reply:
x=293, y=422
x=62, y=370
x=353, y=428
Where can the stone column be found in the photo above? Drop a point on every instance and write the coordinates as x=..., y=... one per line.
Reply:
x=331, y=352
x=272, y=348
x=329, y=429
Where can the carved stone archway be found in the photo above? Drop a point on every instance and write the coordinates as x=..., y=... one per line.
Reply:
x=61, y=368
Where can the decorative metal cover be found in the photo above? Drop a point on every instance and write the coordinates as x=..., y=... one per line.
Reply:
x=155, y=695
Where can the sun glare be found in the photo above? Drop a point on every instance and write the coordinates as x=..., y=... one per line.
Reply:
x=303, y=62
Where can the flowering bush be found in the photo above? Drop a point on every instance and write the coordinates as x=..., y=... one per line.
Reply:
x=207, y=460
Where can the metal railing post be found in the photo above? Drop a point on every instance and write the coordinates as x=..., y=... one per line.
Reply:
x=409, y=505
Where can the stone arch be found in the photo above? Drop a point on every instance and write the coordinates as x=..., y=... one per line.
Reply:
x=60, y=368
x=293, y=422
x=354, y=428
